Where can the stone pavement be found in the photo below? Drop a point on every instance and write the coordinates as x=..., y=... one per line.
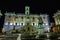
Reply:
x=6, y=37
x=28, y=37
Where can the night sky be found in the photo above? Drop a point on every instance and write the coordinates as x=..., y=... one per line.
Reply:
x=36, y=7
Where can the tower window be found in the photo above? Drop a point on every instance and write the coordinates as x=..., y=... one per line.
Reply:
x=27, y=8
x=27, y=13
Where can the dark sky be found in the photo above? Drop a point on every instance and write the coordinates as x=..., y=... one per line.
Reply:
x=36, y=7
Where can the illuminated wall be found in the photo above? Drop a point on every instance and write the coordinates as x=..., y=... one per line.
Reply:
x=46, y=21
x=20, y=21
x=57, y=18
x=57, y=21
x=9, y=21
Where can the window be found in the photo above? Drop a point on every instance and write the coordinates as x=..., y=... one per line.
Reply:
x=33, y=19
x=22, y=24
x=7, y=18
x=27, y=17
x=17, y=23
x=11, y=23
x=27, y=8
x=43, y=17
x=21, y=17
x=33, y=24
x=27, y=23
x=27, y=12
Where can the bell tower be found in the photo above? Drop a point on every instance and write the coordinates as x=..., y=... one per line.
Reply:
x=27, y=10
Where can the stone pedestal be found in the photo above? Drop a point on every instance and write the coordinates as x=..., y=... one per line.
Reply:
x=19, y=37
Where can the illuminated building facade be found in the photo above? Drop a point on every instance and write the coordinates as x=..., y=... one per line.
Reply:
x=46, y=21
x=57, y=20
x=20, y=20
